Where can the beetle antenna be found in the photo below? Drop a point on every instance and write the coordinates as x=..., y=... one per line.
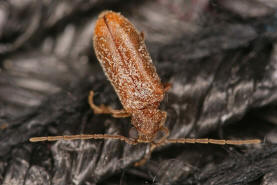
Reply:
x=84, y=136
x=214, y=141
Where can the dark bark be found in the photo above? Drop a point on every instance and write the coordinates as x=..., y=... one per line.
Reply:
x=219, y=56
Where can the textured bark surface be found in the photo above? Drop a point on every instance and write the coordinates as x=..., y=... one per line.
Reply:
x=219, y=56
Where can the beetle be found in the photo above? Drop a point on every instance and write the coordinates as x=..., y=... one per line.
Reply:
x=121, y=51
x=124, y=58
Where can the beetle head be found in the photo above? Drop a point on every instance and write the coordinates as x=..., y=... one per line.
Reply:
x=148, y=122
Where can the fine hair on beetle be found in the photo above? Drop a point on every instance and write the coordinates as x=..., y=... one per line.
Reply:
x=121, y=51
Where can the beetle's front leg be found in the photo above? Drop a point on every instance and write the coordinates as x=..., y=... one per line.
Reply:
x=102, y=109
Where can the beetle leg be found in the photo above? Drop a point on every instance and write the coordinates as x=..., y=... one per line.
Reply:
x=120, y=114
x=167, y=86
x=102, y=109
x=146, y=156
x=142, y=36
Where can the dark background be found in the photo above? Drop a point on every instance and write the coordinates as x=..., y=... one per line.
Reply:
x=220, y=56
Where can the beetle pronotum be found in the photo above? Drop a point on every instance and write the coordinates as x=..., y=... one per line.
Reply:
x=122, y=53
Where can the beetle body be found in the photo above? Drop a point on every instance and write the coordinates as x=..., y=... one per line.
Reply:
x=122, y=53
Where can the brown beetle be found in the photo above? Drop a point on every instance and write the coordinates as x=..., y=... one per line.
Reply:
x=126, y=62
x=122, y=53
